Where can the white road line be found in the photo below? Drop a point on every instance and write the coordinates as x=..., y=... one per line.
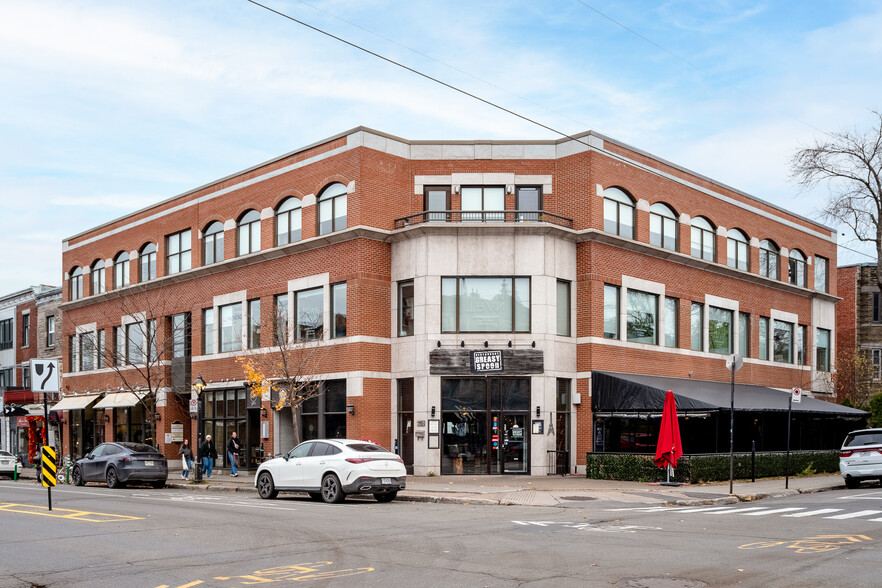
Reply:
x=773, y=511
x=854, y=515
x=812, y=513
x=640, y=508
x=870, y=496
x=742, y=510
x=702, y=509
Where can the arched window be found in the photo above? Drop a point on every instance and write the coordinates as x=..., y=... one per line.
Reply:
x=288, y=221
x=618, y=213
x=736, y=249
x=213, y=243
x=147, y=262
x=797, y=268
x=662, y=226
x=98, y=277
x=248, y=232
x=768, y=259
x=121, y=270
x=704, y=239
x=332, y=209
x=76, y=283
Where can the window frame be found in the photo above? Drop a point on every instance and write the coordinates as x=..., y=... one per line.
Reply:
x=769, y=252
x=209, y=332
x=50, y=330
x=826, y=348
x=741, y=249
x=482, y=214
x=713, y=330
x=213, y=241
x=280, y=319
x=672, y=322
x=251, y=230
x=612, y=297
x=325, y=196
x=663, y=221
x=234, y=343
x=296, y=206
x=790, y=344
x=147, y=262
x=616, y=197
x=458, y=281
x=335, y=290
x=138, y=351
x=796, y=266
x=122, y=266
x=180, y=254
x=563, y=311
x=26, y=329
x=75, y=283
x=633, y=310
x=705, y=234
x=744, y=334
x=825, y=285
x=765, y=324
x=96, y=277
x=252, y=339
x=528, y=214
x=318, y=330
x=699, y=308
x=435, y=214
x=402, y=331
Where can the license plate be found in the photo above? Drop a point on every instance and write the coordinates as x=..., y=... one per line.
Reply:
x=387, y=480
x=5, y=462
x=148, y=463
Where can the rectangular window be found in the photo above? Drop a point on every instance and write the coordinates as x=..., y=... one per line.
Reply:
x=280, y=322
x=671, y=318
x=25, y=330
x=134, y=343
x=744, y=334
x=437, y=199
x=821, y=265
x=485, y=305
x=877, y=364
x=254, y=323
x=476, y=201
x=720, y=331
x=180, y=333
x=405, y=309
x=642, y=317
x=26, y=375
x=877, y=308
x=230, y=327
x=563, y=308
x=823, y=350
x=528, y=201
x=87, y=351
x=177, y=252
x=50, y=331
x=119, y=346
x=764, y=338
x=309, y=310
x=6, y=334
x=152, y=340
x=801, y=345
x=338, y=310
x=783, y=342
x=209, y=332
x=610, y=312
x=101, y=351
x=72, y=352
x=696, y=324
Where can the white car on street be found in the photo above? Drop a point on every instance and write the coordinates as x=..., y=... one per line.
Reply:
x=861, y=457
x=8, y=463
x=329, y=469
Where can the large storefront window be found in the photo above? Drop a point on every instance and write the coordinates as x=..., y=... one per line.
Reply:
x=485, y=305
x=485, y=425
x=225, y=411
x=131, y=424
x=324, y=416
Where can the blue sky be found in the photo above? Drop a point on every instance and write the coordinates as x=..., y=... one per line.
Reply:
x=107, y=107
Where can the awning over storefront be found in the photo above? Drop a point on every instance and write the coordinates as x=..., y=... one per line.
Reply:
x=76, y=402
x=119, y=400
x=637, y=393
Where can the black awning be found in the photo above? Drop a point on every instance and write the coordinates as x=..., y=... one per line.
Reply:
x=636, y=393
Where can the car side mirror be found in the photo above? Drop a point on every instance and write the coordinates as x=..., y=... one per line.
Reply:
x=90, y=456
x=286, y=456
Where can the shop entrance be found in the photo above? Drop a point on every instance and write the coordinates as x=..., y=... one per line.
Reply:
x=485, y=426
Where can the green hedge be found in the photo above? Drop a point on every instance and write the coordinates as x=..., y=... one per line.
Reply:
x=708, y=468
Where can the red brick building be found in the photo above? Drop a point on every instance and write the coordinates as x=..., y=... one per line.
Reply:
x=457, y=298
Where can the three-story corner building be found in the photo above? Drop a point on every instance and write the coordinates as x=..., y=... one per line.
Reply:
x=480, y=306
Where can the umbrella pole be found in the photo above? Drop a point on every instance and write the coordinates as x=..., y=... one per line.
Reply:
x=670, y=471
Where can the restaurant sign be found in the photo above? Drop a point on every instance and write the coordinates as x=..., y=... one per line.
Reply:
x=486, y=361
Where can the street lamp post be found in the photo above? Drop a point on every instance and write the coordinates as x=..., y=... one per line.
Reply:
x=198, y=387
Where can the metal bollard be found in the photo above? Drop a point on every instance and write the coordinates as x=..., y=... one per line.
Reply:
x=197, y=471
x=753, y=461
x=15, y=472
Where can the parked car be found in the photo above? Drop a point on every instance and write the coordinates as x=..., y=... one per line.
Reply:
x=7, y=463
x=117, y=464
x=329, y=469
x=861, y=457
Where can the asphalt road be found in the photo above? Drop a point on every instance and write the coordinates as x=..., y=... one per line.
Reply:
x=137, y=537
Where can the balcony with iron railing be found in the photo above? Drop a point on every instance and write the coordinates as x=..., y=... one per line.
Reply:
x=483, y=216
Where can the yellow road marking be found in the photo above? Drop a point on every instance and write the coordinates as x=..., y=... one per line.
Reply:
x=66, y=513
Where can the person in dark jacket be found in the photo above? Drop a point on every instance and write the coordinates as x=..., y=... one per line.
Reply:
x=233, y=448
x=186, y=454
x=208, y=454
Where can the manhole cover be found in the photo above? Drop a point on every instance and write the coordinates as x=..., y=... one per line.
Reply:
x=577, y=498
x=661, y=583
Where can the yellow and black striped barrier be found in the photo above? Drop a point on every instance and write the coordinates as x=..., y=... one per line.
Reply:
x=49, y=468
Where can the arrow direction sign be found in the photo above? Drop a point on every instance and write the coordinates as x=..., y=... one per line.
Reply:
x=44, y=375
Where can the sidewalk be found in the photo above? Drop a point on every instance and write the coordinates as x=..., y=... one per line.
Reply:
x=551, y=490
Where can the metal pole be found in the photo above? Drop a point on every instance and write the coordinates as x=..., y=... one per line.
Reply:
x=787, y=471
x=46, y=441
x=753, y=461
x=732, y=432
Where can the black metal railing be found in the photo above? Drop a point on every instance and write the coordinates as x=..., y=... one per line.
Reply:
x=484, y=216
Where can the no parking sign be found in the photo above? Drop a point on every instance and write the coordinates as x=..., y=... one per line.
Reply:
x=797, y=395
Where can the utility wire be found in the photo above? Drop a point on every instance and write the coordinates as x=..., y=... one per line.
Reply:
x=419, y=73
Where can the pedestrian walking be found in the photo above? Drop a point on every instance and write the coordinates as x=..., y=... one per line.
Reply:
x=208, y=454
x=186, y=453
x=233, y=447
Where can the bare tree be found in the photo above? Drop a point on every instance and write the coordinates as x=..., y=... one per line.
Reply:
x=854, y=378
x=851, y=164
x=287, y=369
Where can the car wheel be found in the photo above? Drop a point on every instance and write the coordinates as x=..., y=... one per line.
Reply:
x=315, y=495
x=77, y=476
x=265, y=487
x=158, y=484
x=852, y=483
x=385, y=496
x=113, y=479
x=331, y=490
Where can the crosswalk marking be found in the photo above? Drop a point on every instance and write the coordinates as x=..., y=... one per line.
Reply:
x=812, y=513
x=742, y=510
x=706, y=509
x=773, y=511
x=853, y=515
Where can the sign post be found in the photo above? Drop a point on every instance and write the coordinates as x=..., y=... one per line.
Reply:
x=734, y=364
x=44, y=379
x=795, y=396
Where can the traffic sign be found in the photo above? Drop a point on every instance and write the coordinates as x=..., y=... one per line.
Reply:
x=49, y=467
x=44, y=375
x=14, y=410
x=797, y=395
x=194, y=406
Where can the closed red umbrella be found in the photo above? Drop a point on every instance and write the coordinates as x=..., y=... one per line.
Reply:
x=669, y=446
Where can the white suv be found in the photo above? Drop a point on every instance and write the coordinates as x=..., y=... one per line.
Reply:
x=861, y=457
